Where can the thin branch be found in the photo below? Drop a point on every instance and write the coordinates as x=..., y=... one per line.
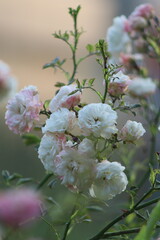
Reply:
x=44, y=180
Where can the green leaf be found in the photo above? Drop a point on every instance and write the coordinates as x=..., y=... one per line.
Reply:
x=147, y=231
x=152, y=175
x=84, y=82
x=73, y=92
x=154, y=45
x=91, y=81
x=51, y=64
x=24, y=180
x=95, y=208
x=10, y=177
x=52, y=201
x=90, y=48
x=59, y=84
x=14, y=176
x=78, y=83
x=30, y=139
x=46, y=104
x=5, y=174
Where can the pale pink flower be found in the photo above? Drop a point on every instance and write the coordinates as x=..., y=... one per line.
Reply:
x=138, y=23
x=118, y=84
x=49, y=148
x=64, y=100
x=144, y=10
x=7, y=82
x=132, y=131
x=23, y=110
x=19, y=206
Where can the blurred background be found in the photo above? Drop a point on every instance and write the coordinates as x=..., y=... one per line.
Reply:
x=26, y=44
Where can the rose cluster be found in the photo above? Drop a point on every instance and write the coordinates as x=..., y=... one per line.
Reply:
x=75, y=143
x=77, y=137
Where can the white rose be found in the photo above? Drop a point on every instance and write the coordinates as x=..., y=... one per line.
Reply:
x=49, y=147
x=75, y=169
x=60, y=121
x=98, y=119
x=132, y=131
x=118, y=40
x=87, y=146
x=142, y=87
x=110, y=180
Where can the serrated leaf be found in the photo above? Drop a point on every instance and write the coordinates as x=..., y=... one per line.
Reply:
x=30, y=139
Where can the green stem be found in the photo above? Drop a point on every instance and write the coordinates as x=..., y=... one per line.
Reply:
x=98, y=93
x=124, y=232
x=87, y=56
x=105, y=70
x=74, y=49
x=44, y=180
x=52, y=228
x=69, y=223
x=128, y=231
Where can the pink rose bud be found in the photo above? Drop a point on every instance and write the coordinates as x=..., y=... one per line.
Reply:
x=144, y=10
x=19, y=206
x=118, y=84
x=132, y=131
x=63, y=99
x=138, y=23
x=23, y=110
